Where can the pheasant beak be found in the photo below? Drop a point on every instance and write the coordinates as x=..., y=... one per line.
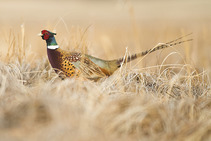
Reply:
x=40, y=34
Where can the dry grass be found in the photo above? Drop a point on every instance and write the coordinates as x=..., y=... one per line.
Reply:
x=165, y=96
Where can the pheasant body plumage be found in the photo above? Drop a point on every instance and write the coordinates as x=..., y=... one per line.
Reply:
x=73, y=64
x=58, y=60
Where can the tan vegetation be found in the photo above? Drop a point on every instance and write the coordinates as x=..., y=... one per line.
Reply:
x=163, y=96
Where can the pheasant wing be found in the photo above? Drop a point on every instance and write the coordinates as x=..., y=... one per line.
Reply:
x=86, y=67
x=90, y=70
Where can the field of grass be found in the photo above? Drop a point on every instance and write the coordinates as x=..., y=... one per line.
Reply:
x=162, y=96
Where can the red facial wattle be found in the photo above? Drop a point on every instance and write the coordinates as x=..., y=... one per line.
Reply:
x=46, y=36
x=44, y=32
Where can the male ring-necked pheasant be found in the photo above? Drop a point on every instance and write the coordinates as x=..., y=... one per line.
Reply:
x=73, y=63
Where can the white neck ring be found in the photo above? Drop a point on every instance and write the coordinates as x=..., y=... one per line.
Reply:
x=53, y=47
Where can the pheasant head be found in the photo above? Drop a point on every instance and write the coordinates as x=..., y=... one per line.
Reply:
x=49, y=38
x=45, y=34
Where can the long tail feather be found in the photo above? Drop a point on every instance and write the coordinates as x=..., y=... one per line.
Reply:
x=160, y=46
x=179, y=38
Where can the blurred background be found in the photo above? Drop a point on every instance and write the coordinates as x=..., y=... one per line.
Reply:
x=107, y=27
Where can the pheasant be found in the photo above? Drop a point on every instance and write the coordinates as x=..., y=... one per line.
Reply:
x=71, y=64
